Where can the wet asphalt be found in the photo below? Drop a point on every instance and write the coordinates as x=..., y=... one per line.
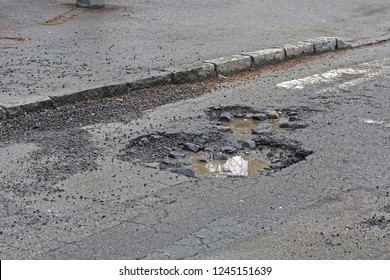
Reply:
x=49, y=48
x=68, y=192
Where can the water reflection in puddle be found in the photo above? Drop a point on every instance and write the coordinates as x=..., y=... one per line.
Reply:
x=235, y=165
x=241, y=128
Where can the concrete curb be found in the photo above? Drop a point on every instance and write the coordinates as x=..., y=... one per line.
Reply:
x=205, y=70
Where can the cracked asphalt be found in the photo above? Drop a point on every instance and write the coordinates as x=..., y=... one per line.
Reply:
x=66, y=192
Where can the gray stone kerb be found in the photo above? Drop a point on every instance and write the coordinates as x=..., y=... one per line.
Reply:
x=208, y=69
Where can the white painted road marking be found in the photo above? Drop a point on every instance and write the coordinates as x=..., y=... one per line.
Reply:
x=342, y=78
x=370, y=121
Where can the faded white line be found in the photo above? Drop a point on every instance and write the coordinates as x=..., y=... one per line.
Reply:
x=342, y=78
x=370, y=121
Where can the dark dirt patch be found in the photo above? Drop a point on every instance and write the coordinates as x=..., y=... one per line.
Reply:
x=386, y=209
x=376, y=221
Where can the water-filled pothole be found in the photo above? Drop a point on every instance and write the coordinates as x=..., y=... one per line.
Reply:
x=240, y=127
x=243, y=128
x=234, y=165
x=242, y=144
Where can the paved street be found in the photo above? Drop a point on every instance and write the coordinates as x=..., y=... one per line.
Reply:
x=110, y=179
x=50, y=47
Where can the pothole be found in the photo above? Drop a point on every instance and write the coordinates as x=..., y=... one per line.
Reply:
x=241, y=144
x=235, y=165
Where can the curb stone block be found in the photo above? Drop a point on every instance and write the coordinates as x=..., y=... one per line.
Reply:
x=341, y=44
x=230, y=65
x=266, y=57
x=299, y=49
x=193, y=73
x=156, y=80
x=323, y=44
x=18, y=108
x=99, y=92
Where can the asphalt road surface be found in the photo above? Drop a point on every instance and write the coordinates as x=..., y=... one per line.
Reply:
x=49, y=47
x=74, y=184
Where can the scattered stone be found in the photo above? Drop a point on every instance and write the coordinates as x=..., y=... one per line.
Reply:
x=199, y=141
x=262, y=128
x=228, y=149
x=209, y=149
x=284, y=123
x=166, y=162
x=191, y=147
x=203, y=160
x=249, y=116
x=183, y=171
x=299, y=125
x=154, y=165
x=249, y=144
x=259, y=117
x=277, y=166
x=272, y=114
x=176, y=155
x=225, y=128
x=219, y=156
x=144, y=141
x=225, y=117
x=294, y=119
x=270, y=154
x=156, y=137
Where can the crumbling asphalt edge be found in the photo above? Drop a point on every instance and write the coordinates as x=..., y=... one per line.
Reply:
x=208, y=69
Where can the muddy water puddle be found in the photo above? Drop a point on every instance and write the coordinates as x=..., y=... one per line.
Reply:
x=247, y=165
x=235, y=165
x=242, y=127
